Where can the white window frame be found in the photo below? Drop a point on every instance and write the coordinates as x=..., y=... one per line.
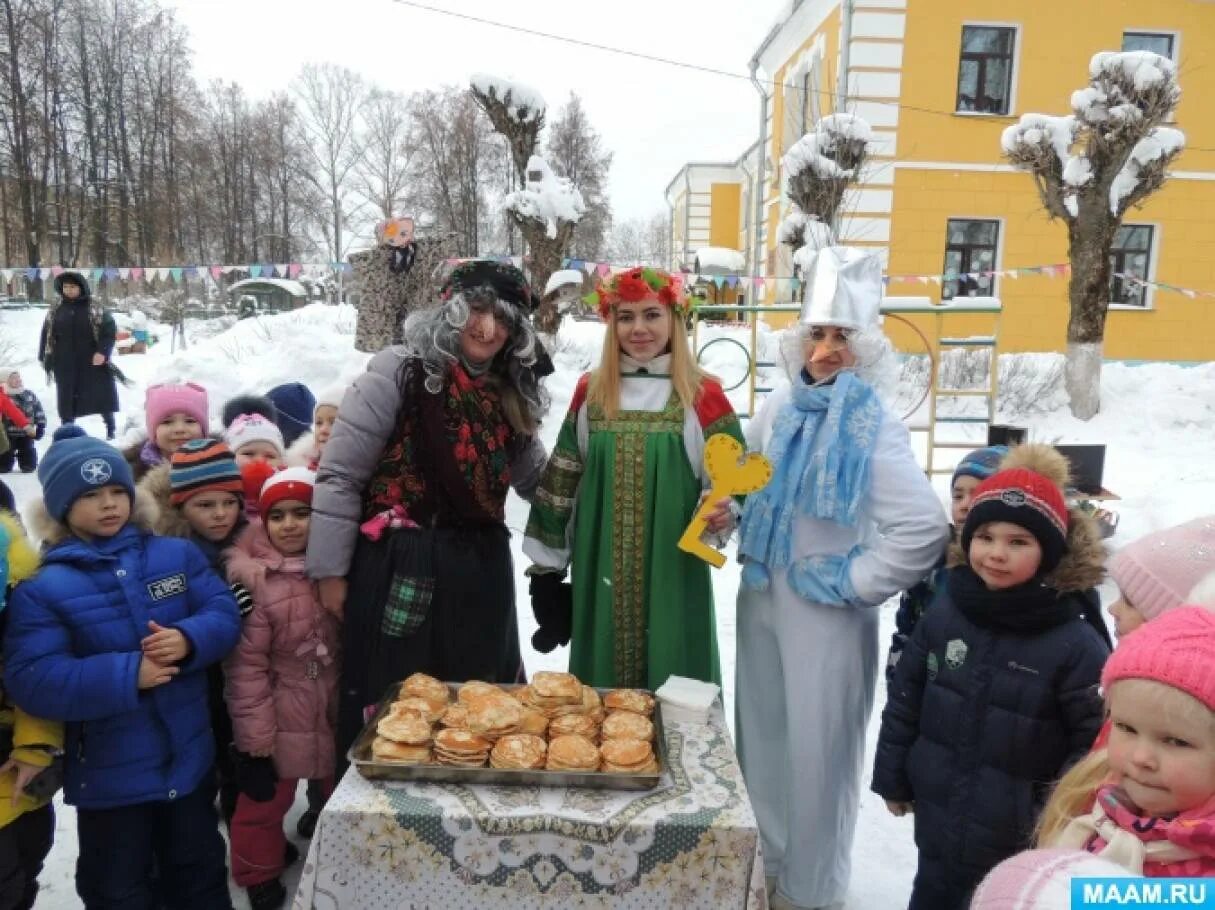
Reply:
x=999, y=263
x=1175, y=35
x=1149, y=291
x=1014, y=78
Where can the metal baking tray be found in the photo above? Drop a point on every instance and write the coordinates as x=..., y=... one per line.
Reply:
x=360, y=756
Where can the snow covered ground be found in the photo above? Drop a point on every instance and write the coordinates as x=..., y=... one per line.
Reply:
x=1156, y=421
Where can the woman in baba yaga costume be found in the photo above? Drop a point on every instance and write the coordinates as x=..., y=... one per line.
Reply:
x=623, y=481
x=408, y=530
x=847, y=520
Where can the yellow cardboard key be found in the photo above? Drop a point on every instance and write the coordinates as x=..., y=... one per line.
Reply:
x=730, y=474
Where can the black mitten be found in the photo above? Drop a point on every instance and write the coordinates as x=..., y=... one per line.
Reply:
x=255, y=776
x=553, y=606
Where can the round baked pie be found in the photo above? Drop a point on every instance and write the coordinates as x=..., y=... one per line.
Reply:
x=455, y=716
x=519, y=750
x=461, y=742
x=415, y=704
x=556, y=688
x=409, y=728
x=475, y=689
x=627, y=725
x=426, y=687
x=577, y=724
x=388, y=750
x=626, y=756
x=494, y=715
x=534, y=722
x=572, y=753
x=629, y=700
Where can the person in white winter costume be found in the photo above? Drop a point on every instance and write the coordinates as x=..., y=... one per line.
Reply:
x=848, y=520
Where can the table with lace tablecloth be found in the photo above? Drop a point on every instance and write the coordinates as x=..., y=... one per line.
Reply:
x=690, y=843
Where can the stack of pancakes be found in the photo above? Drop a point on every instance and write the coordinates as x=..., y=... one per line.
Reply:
x=555, y=723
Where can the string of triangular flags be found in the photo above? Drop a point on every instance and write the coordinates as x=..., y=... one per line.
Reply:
x=602, y=269
x=178, y=273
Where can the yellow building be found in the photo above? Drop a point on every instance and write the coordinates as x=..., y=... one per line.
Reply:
x=939, y=81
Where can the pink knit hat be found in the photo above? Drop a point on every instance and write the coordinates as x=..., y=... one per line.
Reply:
x=1158, y=571
x=1177, y=649
x=162, y=400
x=1040, y=880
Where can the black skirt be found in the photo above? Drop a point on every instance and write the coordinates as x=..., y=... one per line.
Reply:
x=438, y=601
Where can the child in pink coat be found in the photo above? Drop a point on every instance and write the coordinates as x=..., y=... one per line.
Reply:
x=281, y=683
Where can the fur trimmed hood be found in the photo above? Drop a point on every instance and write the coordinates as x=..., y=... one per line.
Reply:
x=152, y=492
x=1082, y=566
x=45, y=528
x=301, y=452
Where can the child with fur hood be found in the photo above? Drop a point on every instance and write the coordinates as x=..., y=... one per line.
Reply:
x=996, y=691
x=198, y=495
x=113, y=637
x=174, y=415
x=282, y=683
x=306, y=451
x=28, y=746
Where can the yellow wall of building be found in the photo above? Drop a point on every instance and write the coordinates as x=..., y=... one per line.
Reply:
x=1052, y=61
x=725, y=200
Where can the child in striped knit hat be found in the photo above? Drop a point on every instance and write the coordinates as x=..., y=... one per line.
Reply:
x=204, y=504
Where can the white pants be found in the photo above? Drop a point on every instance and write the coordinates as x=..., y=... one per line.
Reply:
x=804, y=692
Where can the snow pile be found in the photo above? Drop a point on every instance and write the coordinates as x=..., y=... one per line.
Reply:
x=1161, y=143
x=1040, y=132
x=1140, y=70
x=523, y=102
x=798, y=227
x=547, y=197
x=807, y=154
x=563, y=278
x=710, y=259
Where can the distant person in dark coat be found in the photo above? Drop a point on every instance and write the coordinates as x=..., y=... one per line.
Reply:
x=76, y=343
x=996, y=693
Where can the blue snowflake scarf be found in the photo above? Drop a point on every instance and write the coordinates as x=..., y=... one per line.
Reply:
x=823, y=482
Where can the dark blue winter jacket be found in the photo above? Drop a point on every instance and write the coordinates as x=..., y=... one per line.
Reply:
x=72, y=653
x=979, y=723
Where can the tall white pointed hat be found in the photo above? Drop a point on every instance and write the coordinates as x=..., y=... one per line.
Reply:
x=843, y=287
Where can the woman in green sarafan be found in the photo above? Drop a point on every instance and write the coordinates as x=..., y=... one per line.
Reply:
x=625, y=478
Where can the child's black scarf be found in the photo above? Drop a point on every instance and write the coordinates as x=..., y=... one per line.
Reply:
x=1027, y=609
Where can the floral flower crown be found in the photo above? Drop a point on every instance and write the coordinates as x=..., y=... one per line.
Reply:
x=634, y=286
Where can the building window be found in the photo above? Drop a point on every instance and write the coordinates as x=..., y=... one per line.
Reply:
x=1131, y=254
x=970, y=247
x=985, y=69
x=1156, y=42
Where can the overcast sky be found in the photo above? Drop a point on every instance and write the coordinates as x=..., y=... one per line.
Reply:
x=653, y=117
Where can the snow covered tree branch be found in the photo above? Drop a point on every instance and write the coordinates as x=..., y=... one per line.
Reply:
x=819, y=168
x=1090, y=167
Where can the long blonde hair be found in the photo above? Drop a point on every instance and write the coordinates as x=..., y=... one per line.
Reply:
x=1072, y=797
x=603, y=390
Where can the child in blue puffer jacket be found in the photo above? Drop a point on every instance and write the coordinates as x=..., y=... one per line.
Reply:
x=113, y=636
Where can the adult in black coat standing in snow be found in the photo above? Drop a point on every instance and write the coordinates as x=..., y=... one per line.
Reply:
x=76, y=343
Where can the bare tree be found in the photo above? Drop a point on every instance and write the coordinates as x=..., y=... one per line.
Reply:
x=575, y=151
x=1090, y=167
x=453, y=157
x=640, y=241
x=547, y=207
x=384, y=169
x=331, y=100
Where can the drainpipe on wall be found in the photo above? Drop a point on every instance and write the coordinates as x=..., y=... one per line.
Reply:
x=841, y=87
x=670, y=263
x=761, y=176
x=742, y=166
x=687, y=211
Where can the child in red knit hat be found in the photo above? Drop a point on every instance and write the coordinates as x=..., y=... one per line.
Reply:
x=996, y=691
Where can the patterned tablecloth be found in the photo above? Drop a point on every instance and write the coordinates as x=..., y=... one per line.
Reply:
x=692, y=842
